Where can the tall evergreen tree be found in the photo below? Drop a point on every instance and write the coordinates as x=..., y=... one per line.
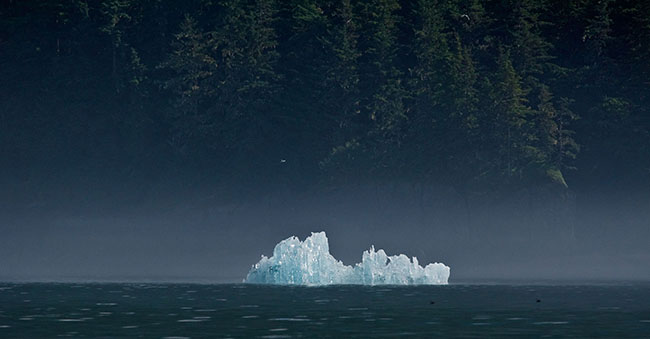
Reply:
x=510, y=116
x=381, y=85
x=343, y=73
x=193, y=67
x=246, y=45
x=116, y=16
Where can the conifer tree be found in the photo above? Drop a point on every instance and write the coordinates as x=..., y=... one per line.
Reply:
x=343, y=72
x=193, y=67
x=246, y=46
x=116, y=16
x=510, y=115
x=381, y=87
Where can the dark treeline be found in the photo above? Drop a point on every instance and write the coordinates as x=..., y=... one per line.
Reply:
x=251, y=96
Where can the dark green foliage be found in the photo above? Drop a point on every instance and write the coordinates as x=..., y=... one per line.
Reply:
x=482, y=96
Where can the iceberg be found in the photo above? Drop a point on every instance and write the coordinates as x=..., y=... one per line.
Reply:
x=310, y=263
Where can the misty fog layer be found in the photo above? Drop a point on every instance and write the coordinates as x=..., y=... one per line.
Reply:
x=520, y=239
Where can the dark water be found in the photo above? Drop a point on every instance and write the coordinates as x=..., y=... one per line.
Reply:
x=200, y=311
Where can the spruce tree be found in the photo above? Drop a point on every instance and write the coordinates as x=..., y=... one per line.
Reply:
x=381, y=81
x=191, y=68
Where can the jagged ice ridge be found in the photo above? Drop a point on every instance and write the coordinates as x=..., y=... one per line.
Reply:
x=309, y=262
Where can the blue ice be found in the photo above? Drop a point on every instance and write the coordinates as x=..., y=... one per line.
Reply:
x=310, y=263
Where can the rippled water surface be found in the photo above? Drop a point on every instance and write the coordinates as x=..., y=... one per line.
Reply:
x=196, y=311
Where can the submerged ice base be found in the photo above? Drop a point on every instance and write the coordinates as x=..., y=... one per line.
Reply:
x=309, y=262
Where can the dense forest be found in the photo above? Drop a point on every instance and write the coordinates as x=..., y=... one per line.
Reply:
x=243, y=97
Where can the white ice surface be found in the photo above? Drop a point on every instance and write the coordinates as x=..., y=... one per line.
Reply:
x=309, y=262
